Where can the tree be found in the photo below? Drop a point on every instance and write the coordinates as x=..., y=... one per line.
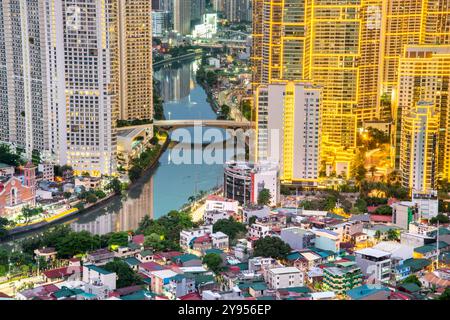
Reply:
x=114, y=185
x=76, y=243
x=29, y=212
x=125, y=275
x=8, y=157
x=442, y=218
x=213, y=261
x=67, y=195
x=272, y=247
x=378, y=234
x=361, y=204
x=3, y=224
x=100, y=194
x=412, y=279
x=251, y=220
x=264, y=197
x=230, y=227
x=384, y=210
x=91, y=198
x=445, y=295
x=392, y=234
x=118, y=239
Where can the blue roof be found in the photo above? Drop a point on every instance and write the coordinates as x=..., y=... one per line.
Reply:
x=139, y=295
x=364, y=291
x=294, y=256
x=132, y=261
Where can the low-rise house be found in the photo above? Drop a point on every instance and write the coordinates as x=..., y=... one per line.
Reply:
x=187, y=237
x=98, y=276
x=145, y=256
x=430, y=251
x=187, y=260
x=38, y=293
x=47, y=253
x=234, y=294
x=439, y=278
x=128, y=251
x=341, y=277
x=179, y=286
x=255, y=211
x=214, y=202
x=366, y=292
x=133, y=263
x=374, y=263
x=261, y=264
x=297, y=238
x=326, y=240
x=243, y=249
x=99, y=257
x=259, y=230
x=161, y=278
x=63, y=274
x=210, y=217
x=220, y=241
x=284, y=277
x=147, y=268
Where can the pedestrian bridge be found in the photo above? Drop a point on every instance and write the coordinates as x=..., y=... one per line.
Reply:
x=174, y=124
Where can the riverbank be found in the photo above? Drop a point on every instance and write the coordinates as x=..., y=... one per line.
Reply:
x=72, y=212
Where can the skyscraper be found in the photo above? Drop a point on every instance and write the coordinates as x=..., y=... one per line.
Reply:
x=419, y=144
x=333, y=50
x=278, y=41
x=83, y=72
x=182, y=16
x=135, y=59
x=23, y=77
x=238, y=10
x=424, y=75
x=289, y=129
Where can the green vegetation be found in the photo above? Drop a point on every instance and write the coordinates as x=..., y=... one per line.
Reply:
x=246, y=109
x=442, y=218
x=264, y=197
x=445, y=295
x=167, y=229
x=224, y=112
x=271, y=247
x=8, y=157
x=140, y=164
x=207, y=77
x=118, y=239
x=384, y=210
x=135, y=122
x=4, y=223
x=213, y=261
x=125, y=275
x=115, y=185
x=61, y=171
x=412, y=279
x=29, y=212
x=230, y=227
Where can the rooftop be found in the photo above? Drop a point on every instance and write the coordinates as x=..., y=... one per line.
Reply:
x=285, y=270
x=373, y=252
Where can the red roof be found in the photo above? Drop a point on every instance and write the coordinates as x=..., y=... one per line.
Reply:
x=128, y=290
x=371, y=209
x=2, y=295
x=62, y=272
x=170, y=254
x=191, y=296
x=380, y=218
x=213, y=197
x=151, y=266
x=138, y=239
x=205, y=238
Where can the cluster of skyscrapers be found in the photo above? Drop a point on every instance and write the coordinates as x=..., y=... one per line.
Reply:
x=375, y=61
x=68, y=70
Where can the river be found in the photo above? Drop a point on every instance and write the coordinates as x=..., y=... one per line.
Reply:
x=168, y=186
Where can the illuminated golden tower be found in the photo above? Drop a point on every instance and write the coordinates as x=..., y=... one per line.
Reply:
x=419, y=144
x=135, y=49
x=333, y=49
x=278, y=40
x=424, y=75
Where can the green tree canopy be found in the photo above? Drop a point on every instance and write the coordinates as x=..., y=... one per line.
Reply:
x=125, y=275
x=264, y=197
x=230, y=227
x=272, y=247
x=213, y=261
